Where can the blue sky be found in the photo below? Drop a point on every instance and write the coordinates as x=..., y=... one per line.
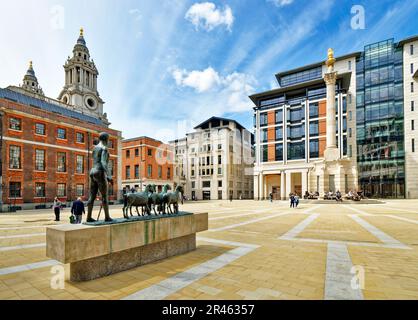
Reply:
x=167, y=65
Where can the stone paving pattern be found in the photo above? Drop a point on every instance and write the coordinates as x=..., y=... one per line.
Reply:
x=242, y=255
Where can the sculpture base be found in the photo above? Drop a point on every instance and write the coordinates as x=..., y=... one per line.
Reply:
x=103, y=266
x=95, y=251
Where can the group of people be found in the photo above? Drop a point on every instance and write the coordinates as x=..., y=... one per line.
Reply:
x=77, y=210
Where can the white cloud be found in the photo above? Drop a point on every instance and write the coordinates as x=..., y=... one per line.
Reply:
x=281, y=3
x=223, y=93
x=201, y=81
x=208, y=17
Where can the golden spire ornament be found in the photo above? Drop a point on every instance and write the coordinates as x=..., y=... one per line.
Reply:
x=81, y=32
x=331, y=60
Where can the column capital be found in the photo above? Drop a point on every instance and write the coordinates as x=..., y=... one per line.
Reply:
x=331, y=78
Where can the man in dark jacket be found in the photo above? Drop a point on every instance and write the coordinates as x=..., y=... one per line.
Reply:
x=77, y=210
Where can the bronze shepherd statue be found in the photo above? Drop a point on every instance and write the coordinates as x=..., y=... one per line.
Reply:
x=100, y=177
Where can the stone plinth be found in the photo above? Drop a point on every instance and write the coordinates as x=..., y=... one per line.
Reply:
x=98, y=251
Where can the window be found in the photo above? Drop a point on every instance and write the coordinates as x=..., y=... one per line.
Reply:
x=110, y=167
x=314, y=149
x=349, y=65
x=136, y=152
x=263, y=119
x=279, y=116
x=411, y=49
x=62, y=133
x=413, y=145
x=219, y=159
x=40, y=160
x=412, y=105
x=149, y=171
x=220, y=184
x=205, y=184
x=412, y=125
x=128, y=172
x=150, y=152
x=160, y=172
x=219, y=171
x=14, y=157
x=350, y=151
x=62, y=162
x=296, y=150
x=15, y=124
x=40, y=129
x=61, y=190
x=279, y=133
x=412, y=87
x=136, y=171
x=40, y=190
x=193, y=184
x=264, y=153
x=412, y=68
x=314, y=128
x=80, y=137
x=15, y=190
x=279, y=152
x=350, y=132
x=80, y=164
x=313, y=110
x=110, y=144
x=264, y=135
x=169, y=173
x=219, y=146
x=128, y=153
x=79, y=190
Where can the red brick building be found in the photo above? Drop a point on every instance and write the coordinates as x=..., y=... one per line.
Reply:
x=146, y=161
x=46, y=144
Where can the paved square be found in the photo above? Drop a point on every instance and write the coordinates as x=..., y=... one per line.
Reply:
x=253, y=250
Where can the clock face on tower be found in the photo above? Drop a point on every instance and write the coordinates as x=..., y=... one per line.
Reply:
x=90, y=102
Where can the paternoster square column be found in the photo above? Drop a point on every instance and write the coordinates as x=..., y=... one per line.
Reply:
x=331, y=151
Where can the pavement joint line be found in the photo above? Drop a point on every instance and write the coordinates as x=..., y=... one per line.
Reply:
x=351, y=243
x=16, y=236
x=249, y=222
x=308, y=211
x=298, y=229
x=27, y=227
x=385, y=238
x=398, y=218
x=23, y=246
x=357, y=210
x=171, y=285
x=338, y=277
x=240, y=215
x=28, y=267
x=396, y=209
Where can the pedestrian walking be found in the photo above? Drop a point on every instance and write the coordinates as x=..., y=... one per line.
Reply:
x=57, y=208
x=78, y=210
x=230, y=197
x=271, y=197
x=296, y=200
x=292, y=201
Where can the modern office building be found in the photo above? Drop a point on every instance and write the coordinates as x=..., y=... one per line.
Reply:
x=146, y=161
x=46, y=143
x=215, y=162
x=375, y=96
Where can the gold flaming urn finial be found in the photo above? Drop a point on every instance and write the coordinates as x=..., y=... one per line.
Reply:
x=331, y=59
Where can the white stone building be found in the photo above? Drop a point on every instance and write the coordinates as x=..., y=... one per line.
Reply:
x=215, y=161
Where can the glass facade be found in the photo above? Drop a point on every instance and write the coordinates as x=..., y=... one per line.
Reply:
x=380, y=121
x=301, y=76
